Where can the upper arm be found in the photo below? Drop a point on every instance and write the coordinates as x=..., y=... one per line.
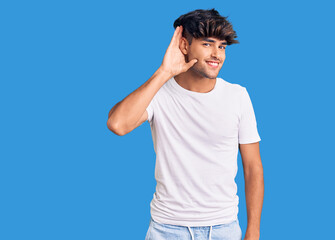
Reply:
x=251, y=158
x=142, y=119
x=112, y=110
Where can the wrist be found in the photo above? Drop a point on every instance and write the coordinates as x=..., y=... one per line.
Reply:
x=165, y=72
x=252, y=233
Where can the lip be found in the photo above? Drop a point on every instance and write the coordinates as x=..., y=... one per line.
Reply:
x=212, y=65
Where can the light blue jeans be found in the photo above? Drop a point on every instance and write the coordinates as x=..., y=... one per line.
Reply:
x=159, y=231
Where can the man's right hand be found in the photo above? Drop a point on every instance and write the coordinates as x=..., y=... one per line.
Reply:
x=174, y=60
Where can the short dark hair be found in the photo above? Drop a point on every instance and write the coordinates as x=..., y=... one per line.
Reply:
x=206, y=23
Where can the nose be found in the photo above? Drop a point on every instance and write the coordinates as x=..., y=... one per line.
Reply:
x=215, y=53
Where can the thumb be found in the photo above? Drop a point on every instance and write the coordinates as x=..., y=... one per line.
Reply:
x=191, y=63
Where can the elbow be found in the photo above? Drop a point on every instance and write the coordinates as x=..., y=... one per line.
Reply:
x=254, y=172
x=114, y=128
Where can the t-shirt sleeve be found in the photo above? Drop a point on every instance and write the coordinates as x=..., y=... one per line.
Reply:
x=247, y=132
x=150, y=110
x=154, y=104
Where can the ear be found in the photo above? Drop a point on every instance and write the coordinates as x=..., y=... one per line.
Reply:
x=183, y=45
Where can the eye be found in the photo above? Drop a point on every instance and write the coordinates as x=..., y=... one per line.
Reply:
x=223, y=47
x=205, y=44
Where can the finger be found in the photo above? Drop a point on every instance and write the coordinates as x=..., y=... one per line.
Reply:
x=173, y=39
x=180, y=35
x=180, y=30
x=177, y=36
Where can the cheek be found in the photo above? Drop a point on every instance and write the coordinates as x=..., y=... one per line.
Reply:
x=197, y=53
x=191, y=55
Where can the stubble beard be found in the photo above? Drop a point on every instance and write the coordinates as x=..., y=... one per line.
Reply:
x=201, y=71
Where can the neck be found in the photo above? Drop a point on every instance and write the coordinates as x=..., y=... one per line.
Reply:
x=195, y=82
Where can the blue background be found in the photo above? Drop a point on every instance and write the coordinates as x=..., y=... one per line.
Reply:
x=65, y=64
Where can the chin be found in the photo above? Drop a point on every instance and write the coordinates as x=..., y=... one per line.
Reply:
x=204, y=73
x=210, y=76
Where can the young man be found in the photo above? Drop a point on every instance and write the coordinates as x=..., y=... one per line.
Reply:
x=198, y=123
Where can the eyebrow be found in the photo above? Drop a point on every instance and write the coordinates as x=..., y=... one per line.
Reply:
x=210, y=40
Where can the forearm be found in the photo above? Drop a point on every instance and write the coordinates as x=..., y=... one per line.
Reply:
x=254, y=192
x=127, y=112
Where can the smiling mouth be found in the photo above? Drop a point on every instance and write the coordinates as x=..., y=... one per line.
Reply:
x=213, y=64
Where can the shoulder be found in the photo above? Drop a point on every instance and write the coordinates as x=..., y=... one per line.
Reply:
x=232, y=87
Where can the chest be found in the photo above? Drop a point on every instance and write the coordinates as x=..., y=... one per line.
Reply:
x=211, y=121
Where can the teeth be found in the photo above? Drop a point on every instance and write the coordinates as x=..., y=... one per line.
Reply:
x=213, y=64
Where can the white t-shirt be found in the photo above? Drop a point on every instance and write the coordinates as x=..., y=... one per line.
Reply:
x=196, y=137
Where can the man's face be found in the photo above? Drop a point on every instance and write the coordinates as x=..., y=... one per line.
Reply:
x=210, y=52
